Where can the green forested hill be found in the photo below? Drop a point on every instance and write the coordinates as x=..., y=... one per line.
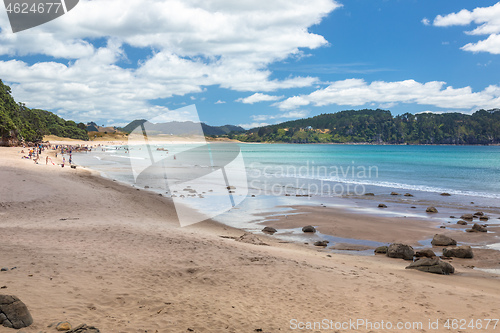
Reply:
x=379, y=126
x=17, y=122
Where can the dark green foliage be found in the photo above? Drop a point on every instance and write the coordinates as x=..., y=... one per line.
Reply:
x=19, y=122
x=379, y=126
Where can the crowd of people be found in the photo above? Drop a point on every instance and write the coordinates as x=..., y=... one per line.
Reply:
x=34, y=152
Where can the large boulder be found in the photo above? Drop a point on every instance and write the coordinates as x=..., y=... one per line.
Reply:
x=431, y=210
x=14, y=313
x=464, y=251
x=442, y=240
x=309, y=228
x=432, y=265
x=398, y=250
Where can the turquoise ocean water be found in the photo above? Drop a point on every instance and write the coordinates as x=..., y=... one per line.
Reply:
x=469, y=173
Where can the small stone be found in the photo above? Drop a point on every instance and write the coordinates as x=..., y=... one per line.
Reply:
x=382, y=206
x=462, y=222
x=309, y=228
x=467, y=217
x=381, y=249
x=321, y=243
x=63, y=326
x=484, y=218
x=431, y=210
x=394, y=193
x=428, y=253
x=478, y=228
x=408, y=195
x=269, y=230
x=413, y=207
x=4, y=269
x=445, y=194
x=479, y=213
x=370, y=194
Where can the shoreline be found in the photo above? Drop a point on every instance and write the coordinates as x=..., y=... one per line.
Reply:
x=90, y=250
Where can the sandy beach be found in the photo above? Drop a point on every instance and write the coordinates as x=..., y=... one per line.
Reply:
x=90, y=250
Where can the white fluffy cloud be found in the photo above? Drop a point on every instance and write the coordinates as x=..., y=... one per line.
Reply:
x=288, y=115
x=488, y=19
x=258, y=97
x=191, y=44
x=357, y=92
x=253, y=125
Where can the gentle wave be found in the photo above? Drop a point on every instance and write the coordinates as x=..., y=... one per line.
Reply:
x=422, y=188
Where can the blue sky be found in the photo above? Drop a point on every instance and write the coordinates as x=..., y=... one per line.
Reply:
x=256, y=62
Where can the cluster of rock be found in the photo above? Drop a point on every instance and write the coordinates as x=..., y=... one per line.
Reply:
x=427, y=261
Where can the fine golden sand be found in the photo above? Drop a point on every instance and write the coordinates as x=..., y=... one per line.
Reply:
x=90, y=250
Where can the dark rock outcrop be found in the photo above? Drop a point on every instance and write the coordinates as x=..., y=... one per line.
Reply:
x=428, y=253
x=442, y=240
x=14, y=313
x=432, y=265
x=464, y=251
x=398, y=250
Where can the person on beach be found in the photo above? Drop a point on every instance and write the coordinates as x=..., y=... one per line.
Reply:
x=46, y=160
x=63, y=162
